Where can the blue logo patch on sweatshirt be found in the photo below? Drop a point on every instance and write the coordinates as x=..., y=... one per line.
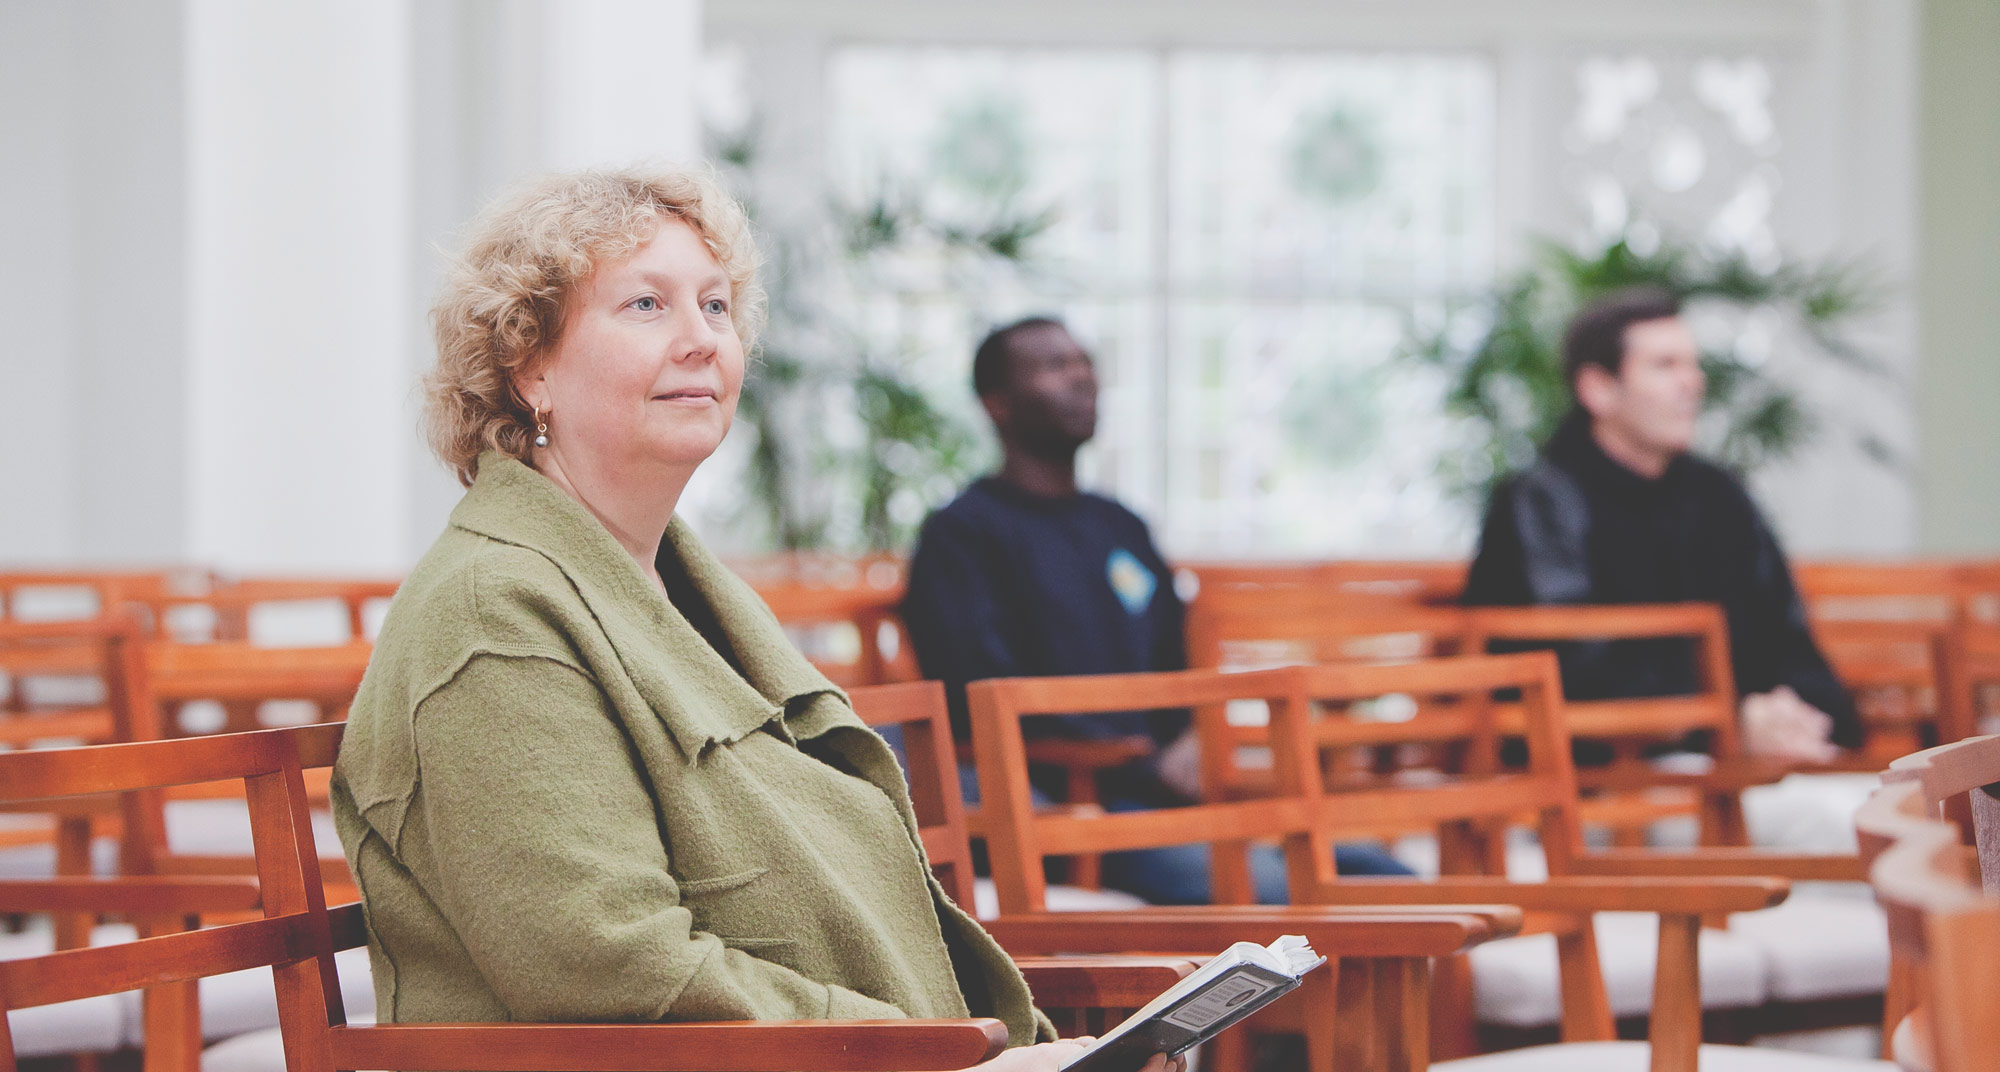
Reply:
x=1131, y=581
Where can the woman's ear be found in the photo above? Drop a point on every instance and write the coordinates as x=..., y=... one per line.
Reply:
x=532, y=389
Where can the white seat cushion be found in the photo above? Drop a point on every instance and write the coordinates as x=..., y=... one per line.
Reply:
x=88, y=1025
x=1807, y=812
x=1515, y=981
x=1819, y=947
x=1637, y=1057
x=986, y=902
x=221, y=827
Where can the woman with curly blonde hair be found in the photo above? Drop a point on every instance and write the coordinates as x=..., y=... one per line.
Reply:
x=587, y=778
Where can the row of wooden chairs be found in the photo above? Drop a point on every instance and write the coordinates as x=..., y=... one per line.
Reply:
x=1380, y=992
x=277, y=803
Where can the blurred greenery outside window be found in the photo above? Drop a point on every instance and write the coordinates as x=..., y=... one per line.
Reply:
x=1249, y=241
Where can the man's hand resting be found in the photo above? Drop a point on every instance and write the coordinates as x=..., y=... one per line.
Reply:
x=1779, y=725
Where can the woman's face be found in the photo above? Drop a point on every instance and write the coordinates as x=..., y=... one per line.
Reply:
x=649, y=366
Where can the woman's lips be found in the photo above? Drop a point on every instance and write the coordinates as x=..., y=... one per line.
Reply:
x=691, y=394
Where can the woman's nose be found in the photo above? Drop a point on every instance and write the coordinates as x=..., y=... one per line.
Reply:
x=697, y=338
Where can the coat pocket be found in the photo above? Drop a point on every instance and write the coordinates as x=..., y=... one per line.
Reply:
x=737, y=909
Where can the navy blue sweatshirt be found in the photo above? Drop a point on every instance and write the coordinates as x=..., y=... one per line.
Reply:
x=1005, y=583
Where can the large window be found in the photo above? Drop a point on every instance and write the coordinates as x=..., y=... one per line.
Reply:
x=1240, y=237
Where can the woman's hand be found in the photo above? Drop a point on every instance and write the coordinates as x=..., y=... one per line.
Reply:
x=1049, y=1056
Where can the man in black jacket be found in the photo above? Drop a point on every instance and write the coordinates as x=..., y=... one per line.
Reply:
x=1617, y=511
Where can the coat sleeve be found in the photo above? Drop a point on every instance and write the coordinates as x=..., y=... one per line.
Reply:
x=1772, y=642
x=1532, y=552
x=535, y=835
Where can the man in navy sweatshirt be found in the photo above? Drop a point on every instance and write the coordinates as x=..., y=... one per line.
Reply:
x=1025, y=575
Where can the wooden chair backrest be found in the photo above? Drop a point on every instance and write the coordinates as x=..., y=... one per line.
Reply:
x=1891, y=632
x=1943, y=919
x=1626, y=795
x=229, y=610
x=242, y=676
x=86, y=593
x=1424, y=581
x=294, y=937
x=918, y=710
x=1711, y=707
x=1250, y=629
x=298, y=935
x=854, y=635
x=98, y=648
x=1468, y=806
x=1019, y=837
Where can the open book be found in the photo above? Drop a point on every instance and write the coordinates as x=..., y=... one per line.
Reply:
x=1243, y=979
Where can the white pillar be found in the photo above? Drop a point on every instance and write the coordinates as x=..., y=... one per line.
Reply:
x=298, y=286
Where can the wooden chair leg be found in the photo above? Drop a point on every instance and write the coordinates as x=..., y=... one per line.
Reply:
x=1355, y=1043
x=1897, y=1001
x=1321, y=1031
x=1586, y=1008
x=1675, y=1030
x=73, y=859
x=1454, y=1028
x=172, y=1013
x=1230, y=1051
x=1402, y=1004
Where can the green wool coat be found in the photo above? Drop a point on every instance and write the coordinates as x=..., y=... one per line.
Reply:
x=563, y=804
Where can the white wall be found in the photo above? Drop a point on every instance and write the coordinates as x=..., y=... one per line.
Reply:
x=38, y=363
x=231, y=212
x=298, y=283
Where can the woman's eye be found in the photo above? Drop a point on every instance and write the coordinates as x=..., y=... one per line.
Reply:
x=715, y=307
x=646, y=304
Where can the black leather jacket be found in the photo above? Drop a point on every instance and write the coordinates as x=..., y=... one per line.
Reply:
x=1577, y=527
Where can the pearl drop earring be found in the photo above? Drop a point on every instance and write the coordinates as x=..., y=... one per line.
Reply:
x=541, y=429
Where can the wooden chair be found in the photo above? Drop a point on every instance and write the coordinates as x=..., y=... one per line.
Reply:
x=297, y=936
x=1251, y=629
x=1095, y=1000
x=1891, y=631
x=1468, y=811
x=853, y=635
x=1978, y=641
x=231, y=609
x=1020, y=838
x=1942, y=893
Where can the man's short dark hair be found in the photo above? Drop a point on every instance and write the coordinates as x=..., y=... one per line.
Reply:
x=1597, y=335
x=990, y=361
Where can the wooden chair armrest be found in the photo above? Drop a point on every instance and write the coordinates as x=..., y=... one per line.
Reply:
x=1720, y=862
x=1204, y=932
x=1093, y=755
x=1666, y=896
x=1100, y=982
x=745, y=1046
x=146, y=896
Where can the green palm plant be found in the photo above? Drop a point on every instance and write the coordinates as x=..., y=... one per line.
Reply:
x=1502, y=354
x=849, y=449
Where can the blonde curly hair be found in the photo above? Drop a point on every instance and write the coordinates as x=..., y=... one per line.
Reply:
x=500, y=311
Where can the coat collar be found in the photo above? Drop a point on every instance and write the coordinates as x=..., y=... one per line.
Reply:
x=693, y=689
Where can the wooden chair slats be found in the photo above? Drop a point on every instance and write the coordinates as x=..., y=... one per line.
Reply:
x=80, y=973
